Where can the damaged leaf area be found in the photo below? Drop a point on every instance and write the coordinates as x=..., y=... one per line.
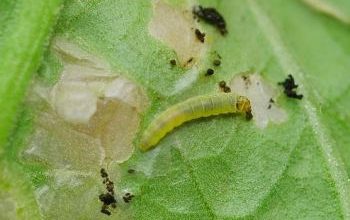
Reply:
x=85, y=121
x=262, y=98
x=177, y=29
x=113, y=66
x=89, y=106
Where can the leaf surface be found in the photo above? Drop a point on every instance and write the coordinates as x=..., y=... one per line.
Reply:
x=225, y=167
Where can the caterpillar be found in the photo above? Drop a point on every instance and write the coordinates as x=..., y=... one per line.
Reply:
x=193, y=108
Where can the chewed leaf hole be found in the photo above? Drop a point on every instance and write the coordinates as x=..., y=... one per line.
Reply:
x=176, y=29
x=262, y=97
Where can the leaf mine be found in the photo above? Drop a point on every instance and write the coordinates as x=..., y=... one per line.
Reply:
x=92, y=114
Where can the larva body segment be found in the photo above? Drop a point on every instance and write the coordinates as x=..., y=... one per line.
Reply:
x=192, y=108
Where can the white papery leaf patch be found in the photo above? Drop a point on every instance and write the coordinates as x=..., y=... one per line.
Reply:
x=92, y=114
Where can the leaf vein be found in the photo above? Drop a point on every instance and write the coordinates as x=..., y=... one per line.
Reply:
x=289, y=64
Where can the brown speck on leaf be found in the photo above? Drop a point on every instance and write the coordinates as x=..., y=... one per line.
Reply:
x=200, y=36
x=211, y=16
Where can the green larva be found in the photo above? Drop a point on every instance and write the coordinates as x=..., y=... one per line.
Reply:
x=192, y=108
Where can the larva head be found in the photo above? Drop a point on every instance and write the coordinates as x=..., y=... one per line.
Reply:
x=243, y=105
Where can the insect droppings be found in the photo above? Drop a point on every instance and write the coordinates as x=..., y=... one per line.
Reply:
x=131, y=171
x=107, y=198
x=289, y=86
x=200, y=36
x=193, y=108
x=173, y=62
x=209, y=72
x=128, y=197
x=216, y=62
x=271, y=101
x=110, y=187
x=105, y=210
x=227, y=89
x=211, y=16
x=249, y=115
x=103, y=173
x=218, y=55
x=190, y=60
x=223, y=86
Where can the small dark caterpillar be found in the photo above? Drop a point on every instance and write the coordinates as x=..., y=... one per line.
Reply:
x=192, y=108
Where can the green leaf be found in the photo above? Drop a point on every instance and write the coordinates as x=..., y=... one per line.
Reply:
x=339, y=9
x=24, y=29
x=220, y=167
